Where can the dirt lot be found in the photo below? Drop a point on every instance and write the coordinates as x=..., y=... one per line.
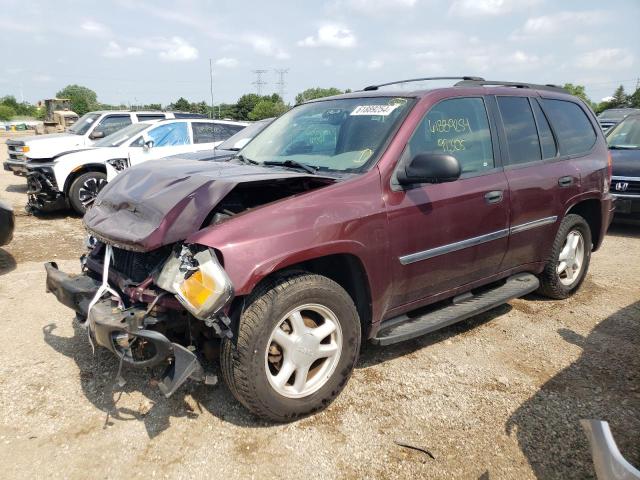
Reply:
x=498, y=396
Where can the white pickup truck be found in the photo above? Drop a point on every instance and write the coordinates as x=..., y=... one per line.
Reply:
x=75, y=178
x=84, y=133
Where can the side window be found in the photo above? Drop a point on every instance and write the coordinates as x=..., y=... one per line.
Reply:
x=112, y=123
x=520, y=129
x=222, y=132
x=573, y=128
x=149, y=116
x=458, y=127
x=206, y=132
x=170, y=134
x=547, y=142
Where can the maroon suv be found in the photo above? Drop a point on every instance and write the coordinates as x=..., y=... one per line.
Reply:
x=377, y=215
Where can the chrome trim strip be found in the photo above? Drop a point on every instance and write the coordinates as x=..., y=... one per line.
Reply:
x=533, y=224
x=627, y=195
x=631, y=179
x=452, y=247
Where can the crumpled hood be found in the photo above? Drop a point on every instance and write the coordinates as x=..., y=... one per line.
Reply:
x=158, y=202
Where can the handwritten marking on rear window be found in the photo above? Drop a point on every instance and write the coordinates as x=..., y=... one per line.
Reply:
x=451, y=145
x=383, y=110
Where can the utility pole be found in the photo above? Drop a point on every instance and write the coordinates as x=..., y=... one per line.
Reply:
x=211, y=86
x=281, y=83
x=259, y=83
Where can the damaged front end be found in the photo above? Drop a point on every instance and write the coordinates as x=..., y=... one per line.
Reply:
x=161, y=307
x=43, y=193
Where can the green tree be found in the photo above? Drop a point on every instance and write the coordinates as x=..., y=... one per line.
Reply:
x=634, y=99
x=6, y=112
x=245, y=105
x=180, y=105
x=21, y=108
x=579, y=91
x=313, y=93
x=83, y=99
x=620, y=98
x=267, y=108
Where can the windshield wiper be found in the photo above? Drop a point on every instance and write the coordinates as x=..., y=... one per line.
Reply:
x=246, y=160
x=293, y=164
x=624, y=147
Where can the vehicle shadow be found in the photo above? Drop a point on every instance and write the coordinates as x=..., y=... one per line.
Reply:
x=604, y=384
x=626, y=228
x=17, y=188
x=7, y=262
x=373, y=355
x=139, y=398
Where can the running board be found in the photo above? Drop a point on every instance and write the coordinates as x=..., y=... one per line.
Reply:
x=464, y=306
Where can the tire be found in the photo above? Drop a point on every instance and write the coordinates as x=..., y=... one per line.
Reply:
x=552, y=283
x=87, y=183
x=247, y=361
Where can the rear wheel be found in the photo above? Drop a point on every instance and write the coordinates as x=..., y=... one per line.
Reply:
x=569, y=261
x=298, y=341
x=85, y=189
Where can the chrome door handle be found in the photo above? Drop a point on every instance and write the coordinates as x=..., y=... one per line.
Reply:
x=494, y=196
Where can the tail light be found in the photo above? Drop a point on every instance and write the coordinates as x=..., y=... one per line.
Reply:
x=610, y=167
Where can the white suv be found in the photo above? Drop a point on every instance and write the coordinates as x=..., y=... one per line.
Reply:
x=90, y=127
x=75, y=178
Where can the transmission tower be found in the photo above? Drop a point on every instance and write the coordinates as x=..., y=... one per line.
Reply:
x=259, y=83
x=281, y=83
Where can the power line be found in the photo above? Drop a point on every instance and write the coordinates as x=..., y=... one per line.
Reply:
x=259, y=83
x=281, y=83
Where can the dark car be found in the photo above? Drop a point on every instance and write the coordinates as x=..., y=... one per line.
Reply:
x=611, y=117
x=7, y=223
x=379, y=215
x=231, y=146
x=624, y=144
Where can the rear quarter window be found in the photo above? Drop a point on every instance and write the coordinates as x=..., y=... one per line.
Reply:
x=573, y=129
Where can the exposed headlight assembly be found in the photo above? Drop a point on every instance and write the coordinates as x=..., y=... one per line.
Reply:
x=119, y=164
x=198, y=281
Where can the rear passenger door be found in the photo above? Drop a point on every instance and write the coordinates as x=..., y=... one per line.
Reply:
x=540, y=181
x=208, y=135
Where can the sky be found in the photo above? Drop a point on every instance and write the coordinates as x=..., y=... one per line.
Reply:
x=136, y=52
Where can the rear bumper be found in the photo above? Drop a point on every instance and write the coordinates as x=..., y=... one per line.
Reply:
x=18, y=167
x=117, y=330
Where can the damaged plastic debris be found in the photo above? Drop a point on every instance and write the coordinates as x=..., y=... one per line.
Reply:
x=221, y=325
x=185, y=365
x=413, y=447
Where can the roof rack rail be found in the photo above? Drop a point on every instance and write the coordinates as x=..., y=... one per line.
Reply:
x=483, y=83
x=470, y=79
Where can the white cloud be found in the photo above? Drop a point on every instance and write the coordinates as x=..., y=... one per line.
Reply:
x=94, y=28
x=373, y=64
x=547, y=24
x=177, y=49
x=489, y=8
x=330, y=35
x=266, y=46
x=606, y=58
x=42, y=78
x=371, y=6
x=115, y=50
x=227, y=62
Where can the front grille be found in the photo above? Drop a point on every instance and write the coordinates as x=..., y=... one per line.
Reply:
x=625, y=187
x=137, y=266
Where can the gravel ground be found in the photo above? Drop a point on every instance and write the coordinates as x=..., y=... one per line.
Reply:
x=498, y=396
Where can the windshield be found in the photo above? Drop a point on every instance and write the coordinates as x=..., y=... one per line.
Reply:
x=626, y=134
x=240, y=139
x=118, y=138
x=341, y=135
x=613, y=114
x=84, y=123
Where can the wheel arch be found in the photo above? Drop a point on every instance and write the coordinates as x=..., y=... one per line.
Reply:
x=591, y=210
x=76, y=172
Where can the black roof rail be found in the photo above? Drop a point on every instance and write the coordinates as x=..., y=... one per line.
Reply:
x=375, y=87
x=533, y=86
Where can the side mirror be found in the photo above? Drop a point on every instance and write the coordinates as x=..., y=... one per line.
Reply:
x=148, y=145
x=96, y=134
x=429, y=168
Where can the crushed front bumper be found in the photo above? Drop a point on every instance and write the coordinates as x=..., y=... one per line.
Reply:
x=117, y=329
x=18, y=167
x=43, y=195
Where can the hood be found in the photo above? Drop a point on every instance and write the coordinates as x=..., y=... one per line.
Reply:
x=158, y=203
x=213, y=154
x=47, y=146
x=626, y=163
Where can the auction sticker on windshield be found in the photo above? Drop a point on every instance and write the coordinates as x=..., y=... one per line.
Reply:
x=374, y=110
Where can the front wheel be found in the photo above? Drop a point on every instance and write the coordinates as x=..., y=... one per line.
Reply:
x=569, y=260
x=298, y=341
x=85, y=189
